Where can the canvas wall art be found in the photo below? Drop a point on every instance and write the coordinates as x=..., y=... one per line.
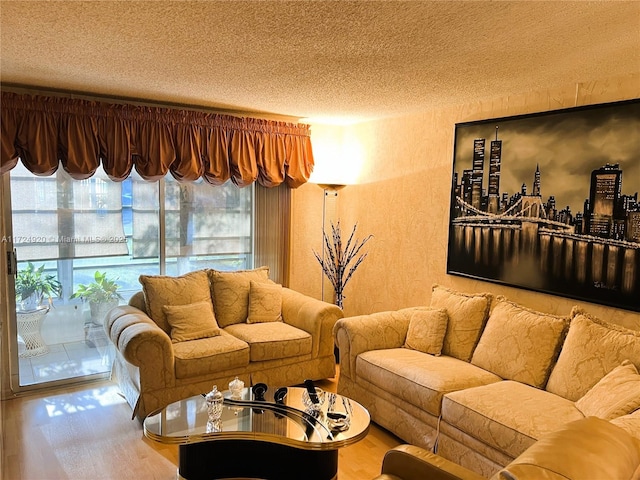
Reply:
x=549, y=202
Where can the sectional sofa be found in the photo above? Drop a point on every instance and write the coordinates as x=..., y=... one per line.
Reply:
x=181, y=335
x=587, y=449
x=479, y=379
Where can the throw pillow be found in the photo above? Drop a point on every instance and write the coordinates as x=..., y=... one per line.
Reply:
x=191, y=322
x=591, y=350
x=427, y=328
x=160, y=290
x=230, y=293
x=616, y=394
x=467, y=314
x=520, y=344
x=629, y=423
x=265, y=302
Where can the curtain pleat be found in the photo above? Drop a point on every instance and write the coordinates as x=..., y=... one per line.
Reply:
x=37, y=142
x=155, y=150
x=189, y=166
x=115, y=146
x=44, y=132
x=79, y=147
x=298, y=165
x=272, y=162
x=216, y=156
x=8, y=130
x=244, y=169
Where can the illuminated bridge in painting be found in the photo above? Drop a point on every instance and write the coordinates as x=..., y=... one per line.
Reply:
x=532, y=212
x=522, y=243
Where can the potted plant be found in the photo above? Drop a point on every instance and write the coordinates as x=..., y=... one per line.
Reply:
x=102, y=295
x=32, y=286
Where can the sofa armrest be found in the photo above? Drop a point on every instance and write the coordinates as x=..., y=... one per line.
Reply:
x=409, y=462
x=143, y=344
x=587, y=448
x=314, y=317
x=377, y=331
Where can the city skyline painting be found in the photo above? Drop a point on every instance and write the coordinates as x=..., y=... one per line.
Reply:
x=549, y=202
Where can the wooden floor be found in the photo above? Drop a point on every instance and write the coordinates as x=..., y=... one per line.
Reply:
x=84, y=433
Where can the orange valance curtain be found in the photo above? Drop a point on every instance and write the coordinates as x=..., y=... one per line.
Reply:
x=45, y=131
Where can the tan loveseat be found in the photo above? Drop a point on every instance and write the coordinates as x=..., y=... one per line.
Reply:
x=587, y=449
x=181, y=335
x=478, y=379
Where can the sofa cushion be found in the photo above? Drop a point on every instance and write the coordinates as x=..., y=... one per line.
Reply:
x=467, y=314
x=192, y=321
x=230, y=293
x=427, y=328
x=590, y=448
x=265, y=302
x=273, y=340
x=161, y=290
x=616, y=394
x=629, y=423
x=520, y=344
x=418, y=378
x=591, y=350
x=205, y=356
x=508, y=416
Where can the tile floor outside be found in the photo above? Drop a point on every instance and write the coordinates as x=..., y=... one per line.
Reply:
x=76, y=348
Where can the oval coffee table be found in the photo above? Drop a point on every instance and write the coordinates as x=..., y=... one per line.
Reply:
x=257, y=439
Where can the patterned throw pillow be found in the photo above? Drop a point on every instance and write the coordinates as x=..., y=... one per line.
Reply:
x=160, y=290
x=520, y=344
x=265, y=302
x=230, y=293
x=616, y=394
x=591, y=350
x=629, y=423
x=467, y=315
x=191, y=322
x=427, y=328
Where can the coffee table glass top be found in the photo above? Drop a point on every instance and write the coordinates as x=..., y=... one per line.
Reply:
x=288, y=423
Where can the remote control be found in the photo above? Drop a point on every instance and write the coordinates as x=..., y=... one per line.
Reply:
x=311, y=389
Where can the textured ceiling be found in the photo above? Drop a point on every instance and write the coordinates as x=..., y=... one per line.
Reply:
x=348, y=60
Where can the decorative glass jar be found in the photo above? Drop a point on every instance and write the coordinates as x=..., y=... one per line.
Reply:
x=214, y=401
x=236, y=387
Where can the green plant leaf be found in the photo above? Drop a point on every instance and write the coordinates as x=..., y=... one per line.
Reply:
x=101, y=290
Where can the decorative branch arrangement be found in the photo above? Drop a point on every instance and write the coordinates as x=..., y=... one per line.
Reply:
x=335, y=265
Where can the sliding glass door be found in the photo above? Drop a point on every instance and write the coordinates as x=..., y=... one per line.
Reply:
x=80, y=247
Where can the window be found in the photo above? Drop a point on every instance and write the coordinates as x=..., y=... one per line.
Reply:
x=124, y=229
x=100, y=224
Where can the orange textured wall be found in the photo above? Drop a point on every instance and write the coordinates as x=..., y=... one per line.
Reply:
x=402, y=198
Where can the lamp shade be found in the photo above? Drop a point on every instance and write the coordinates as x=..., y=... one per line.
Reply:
x=332, y=187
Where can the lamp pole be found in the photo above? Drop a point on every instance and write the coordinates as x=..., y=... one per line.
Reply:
x=329, y=189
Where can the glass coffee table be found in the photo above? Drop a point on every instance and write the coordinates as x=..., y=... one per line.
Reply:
x=260, y=439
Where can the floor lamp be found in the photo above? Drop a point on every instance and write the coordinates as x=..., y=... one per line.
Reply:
x=330, y=190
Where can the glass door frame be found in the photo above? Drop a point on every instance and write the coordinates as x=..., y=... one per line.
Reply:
x=10, y=332
x=10, y=351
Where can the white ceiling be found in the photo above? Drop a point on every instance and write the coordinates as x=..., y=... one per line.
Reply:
x=351, y=60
